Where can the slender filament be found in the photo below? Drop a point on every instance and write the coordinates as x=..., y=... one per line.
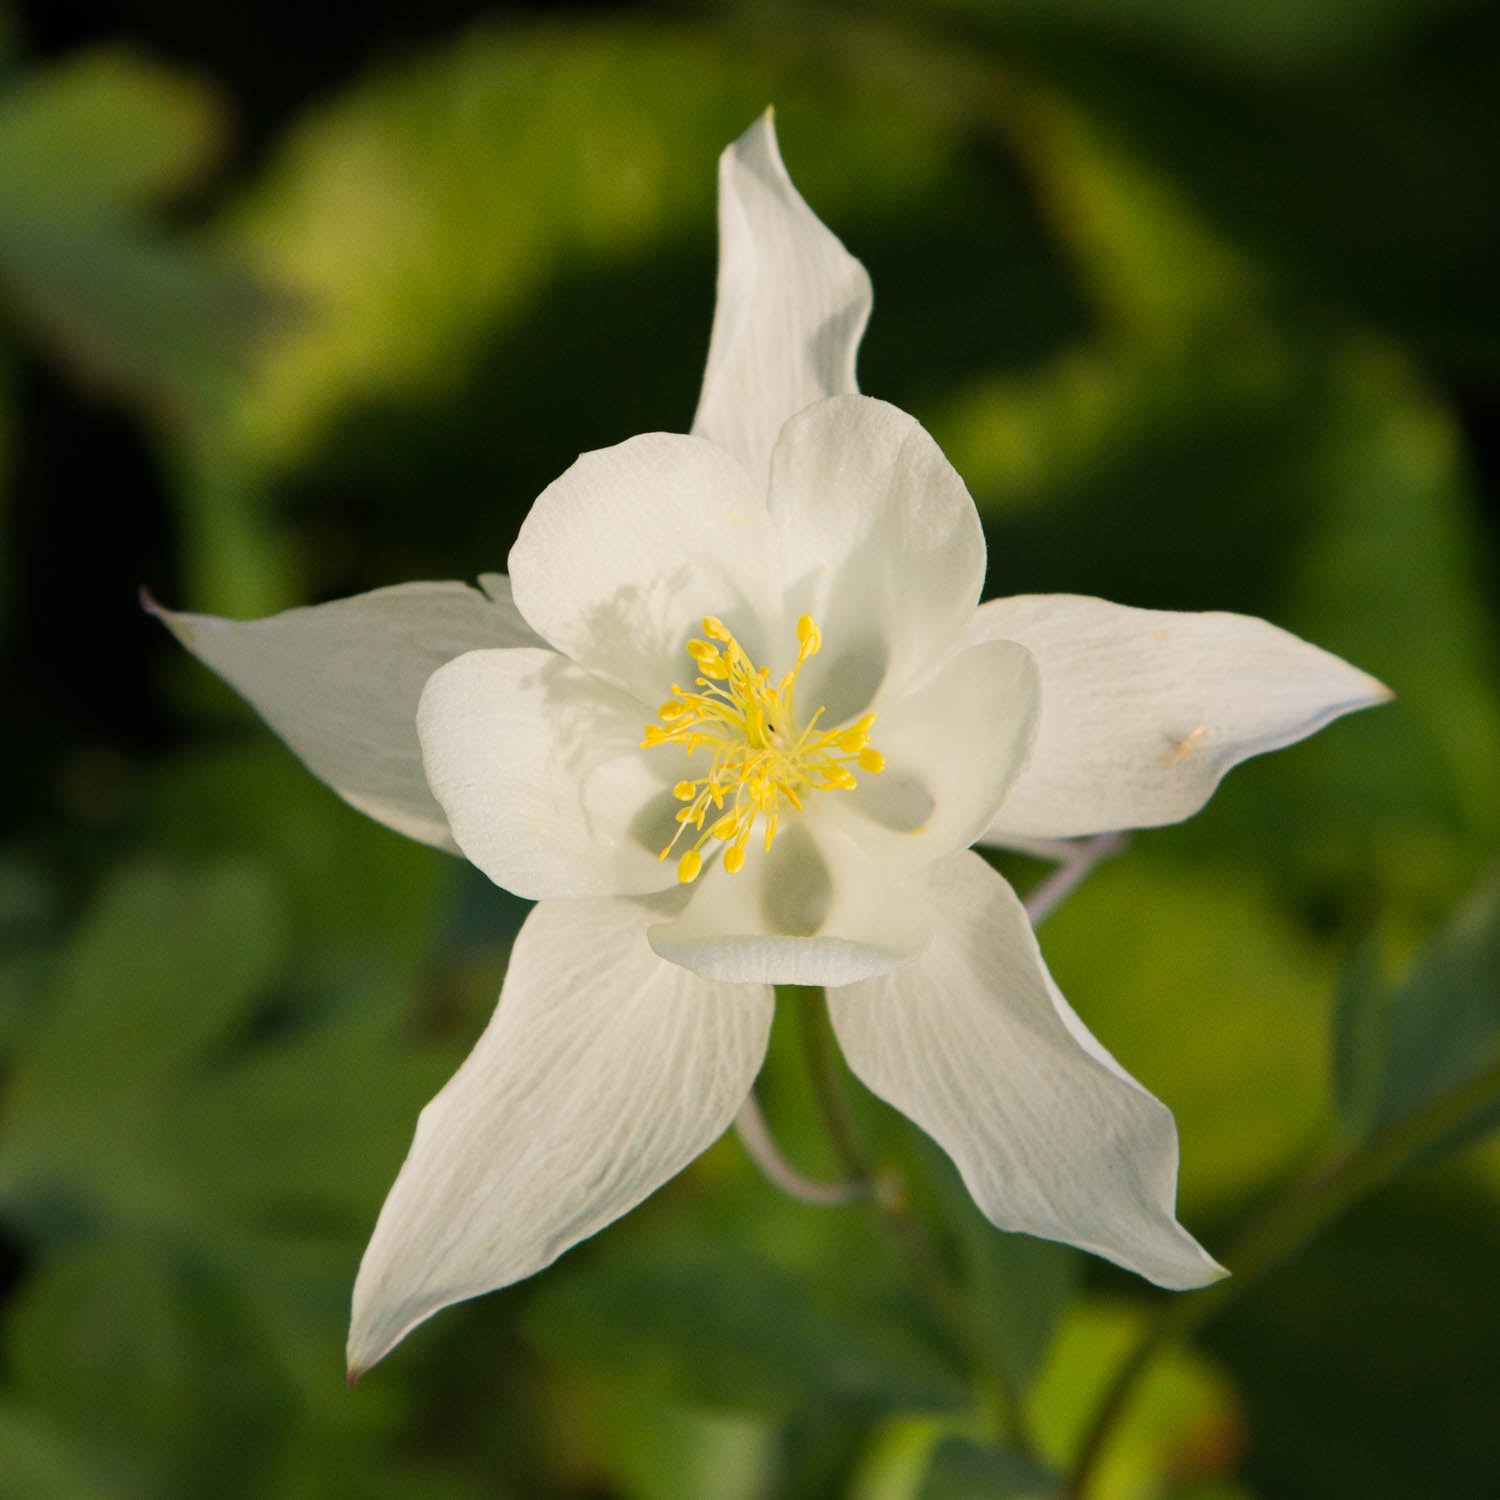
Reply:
x=764, y=760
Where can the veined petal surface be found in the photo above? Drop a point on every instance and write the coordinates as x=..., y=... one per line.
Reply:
x=814, y=909
x=537, y=764
x=952, y=750
x=624, y=554
x=974, y=1042
x=603, y=1073
x=1144, y=711
x=340, y=683
x=879, y=542
x=792, y=306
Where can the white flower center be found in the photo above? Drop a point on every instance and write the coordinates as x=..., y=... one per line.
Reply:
x=762, y=757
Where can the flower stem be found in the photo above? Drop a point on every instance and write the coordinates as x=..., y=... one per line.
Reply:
x=1287, y=1224
x=760, y=1145
x=891, y=1209
x=1075, y=862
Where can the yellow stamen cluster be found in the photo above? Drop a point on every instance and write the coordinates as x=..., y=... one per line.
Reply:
x=761, y=758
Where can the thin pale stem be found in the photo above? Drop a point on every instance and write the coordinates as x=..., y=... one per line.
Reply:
x=890, y=1207
x=755, y=1135
x=1287, y=1225
x=1076, y=861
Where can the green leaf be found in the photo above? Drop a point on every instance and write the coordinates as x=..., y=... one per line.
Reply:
x=368, y=886
x=707, y=1322
x=40, y=1461
x=1018, y=1285
x=108, y=130
x=152, y=1366
x=1406, y=1046
x=963, y=1470
x=663, y=1450
x=85, y=149
x=169, y=324
x=161, y=1089
x=1206, y=988
x=1183, y=1423
x=166, y=967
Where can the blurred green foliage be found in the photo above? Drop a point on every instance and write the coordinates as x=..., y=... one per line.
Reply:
x=1200, y=300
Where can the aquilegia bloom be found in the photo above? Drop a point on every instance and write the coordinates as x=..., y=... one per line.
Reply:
x=735, y=720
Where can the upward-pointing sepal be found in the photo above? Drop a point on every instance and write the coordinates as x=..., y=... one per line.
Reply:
x=791, y=308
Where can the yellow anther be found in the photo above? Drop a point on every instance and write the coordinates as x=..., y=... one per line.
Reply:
x=764, y=754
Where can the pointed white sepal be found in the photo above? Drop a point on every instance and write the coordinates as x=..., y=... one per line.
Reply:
x=340, y=682
x=974, y=1042
x=603, y=1073
x=791, y=309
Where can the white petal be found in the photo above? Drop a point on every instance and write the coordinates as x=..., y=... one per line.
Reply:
x=604, y=1072
x=880, y=542
x=974, y=1042
x=952, y=751
x=792, y=306
x=621, y=558
x=340, y=682
x=539, y=769
x=812, y=911
x=1143, y=711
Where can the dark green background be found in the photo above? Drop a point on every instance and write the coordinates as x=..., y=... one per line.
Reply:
x=1200, y=298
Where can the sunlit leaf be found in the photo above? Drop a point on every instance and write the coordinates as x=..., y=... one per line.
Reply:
x=447, y=309
x=1184, y=1423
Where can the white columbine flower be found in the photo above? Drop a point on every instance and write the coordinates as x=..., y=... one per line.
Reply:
x=735, y=720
